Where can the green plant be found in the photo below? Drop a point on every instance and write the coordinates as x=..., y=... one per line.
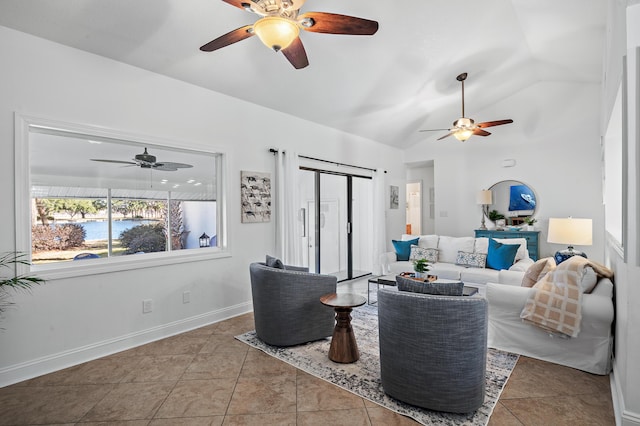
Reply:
x=144, y=238
x=495, y=215
x=421, y=265
x=530, y=220
x=9, y=280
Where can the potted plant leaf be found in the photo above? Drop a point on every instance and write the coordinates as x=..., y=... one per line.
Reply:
x=9, y=280
x=498, y=218
x=530, y=221
x=420, y=266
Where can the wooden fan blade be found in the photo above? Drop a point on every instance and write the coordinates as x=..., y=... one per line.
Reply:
x=229, y=38
x=236, y=3
x=480, y=132
x=447, y=135
x=332, y=23
x=113, y=161
x=296, y=54
x=494, y=123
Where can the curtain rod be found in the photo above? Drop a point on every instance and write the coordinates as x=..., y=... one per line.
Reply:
x=275, y=151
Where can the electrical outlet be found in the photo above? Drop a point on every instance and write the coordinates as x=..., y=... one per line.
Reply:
x=186, y=297
x=147, y=306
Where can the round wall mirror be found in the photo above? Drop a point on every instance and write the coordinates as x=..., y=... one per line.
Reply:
x=513, y=200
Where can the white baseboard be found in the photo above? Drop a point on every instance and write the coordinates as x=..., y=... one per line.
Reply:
x=623, y=416
x=27, y=370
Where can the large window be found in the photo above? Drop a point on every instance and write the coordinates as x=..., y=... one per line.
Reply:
x=99, y=196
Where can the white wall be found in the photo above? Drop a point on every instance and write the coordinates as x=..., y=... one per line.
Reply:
x=626, y=378
x=71, y=320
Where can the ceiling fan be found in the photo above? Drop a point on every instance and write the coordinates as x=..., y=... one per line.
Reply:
x=280, y=24
x=148, y=161
x=463, y=128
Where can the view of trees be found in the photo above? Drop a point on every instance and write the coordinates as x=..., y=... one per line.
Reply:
x=142, y=238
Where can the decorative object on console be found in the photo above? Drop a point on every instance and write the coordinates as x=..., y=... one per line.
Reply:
x=484, y=199
x=530, y=221
x=569, y=231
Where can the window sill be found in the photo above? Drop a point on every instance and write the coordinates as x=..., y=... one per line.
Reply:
x=79, y=268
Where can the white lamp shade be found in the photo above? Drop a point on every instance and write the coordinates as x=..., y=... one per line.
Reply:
x=570, y=231
x=484, y=197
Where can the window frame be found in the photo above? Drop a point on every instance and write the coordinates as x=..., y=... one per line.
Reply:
x=23, y=124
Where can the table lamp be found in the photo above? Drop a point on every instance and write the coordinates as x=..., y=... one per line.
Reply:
x=484, y=199
x=569, y=231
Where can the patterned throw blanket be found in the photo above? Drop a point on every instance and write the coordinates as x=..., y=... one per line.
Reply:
x=556, y=304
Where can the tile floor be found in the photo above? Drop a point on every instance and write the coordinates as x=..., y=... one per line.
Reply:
x=206, y=377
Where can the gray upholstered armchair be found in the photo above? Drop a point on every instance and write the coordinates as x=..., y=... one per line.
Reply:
x=433, y=349
x=286, y=304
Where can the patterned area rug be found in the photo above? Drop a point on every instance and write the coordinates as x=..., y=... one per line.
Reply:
x=363, y=376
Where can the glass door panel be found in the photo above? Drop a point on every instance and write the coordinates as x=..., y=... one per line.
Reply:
x=333, y=225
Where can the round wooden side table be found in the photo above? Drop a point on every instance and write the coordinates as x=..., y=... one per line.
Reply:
x=344, y=348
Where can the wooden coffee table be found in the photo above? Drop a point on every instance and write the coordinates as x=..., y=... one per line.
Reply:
x=344, y=348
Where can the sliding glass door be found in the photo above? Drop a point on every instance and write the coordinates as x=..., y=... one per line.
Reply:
x=336, y=223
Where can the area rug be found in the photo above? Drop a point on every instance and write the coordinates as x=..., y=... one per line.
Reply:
x=363, y=377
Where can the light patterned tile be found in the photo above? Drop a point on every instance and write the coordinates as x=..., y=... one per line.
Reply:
x=215, y=365
x=160, y=368
x=314, y=394
x=353, y=417
x=269, y=394
x=277, y=419
x=130, y=401
x=193, y=398
x=49, y=404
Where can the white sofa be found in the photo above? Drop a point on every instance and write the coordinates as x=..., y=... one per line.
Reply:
x=446, y=267
x=590, y=351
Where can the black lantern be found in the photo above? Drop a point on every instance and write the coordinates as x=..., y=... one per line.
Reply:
x=204, y=240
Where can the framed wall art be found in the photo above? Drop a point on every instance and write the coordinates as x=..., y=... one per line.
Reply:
x=394, y=197
x=255, y=197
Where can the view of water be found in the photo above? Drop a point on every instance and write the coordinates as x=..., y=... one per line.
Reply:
x=99, y=230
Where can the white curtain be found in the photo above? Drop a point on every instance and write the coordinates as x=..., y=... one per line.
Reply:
x=288, y=221
x=379, y=235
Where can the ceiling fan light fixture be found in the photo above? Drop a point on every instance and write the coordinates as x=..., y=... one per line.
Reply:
x=463, y=134
x=275, y=32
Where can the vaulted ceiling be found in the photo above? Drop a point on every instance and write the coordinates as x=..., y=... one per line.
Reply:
x=383, y=87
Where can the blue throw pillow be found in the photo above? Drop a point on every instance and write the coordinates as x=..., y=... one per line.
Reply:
x=501, y=256
x=403, y=248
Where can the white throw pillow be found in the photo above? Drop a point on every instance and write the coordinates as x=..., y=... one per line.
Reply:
x=448, y=247
x=522, y=252
x=589, y=280
x=425, y=241
x=482, y=245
